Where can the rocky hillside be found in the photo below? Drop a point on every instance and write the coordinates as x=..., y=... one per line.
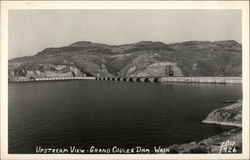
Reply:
x=193, y=58
x=230, y=115
x=213, y=144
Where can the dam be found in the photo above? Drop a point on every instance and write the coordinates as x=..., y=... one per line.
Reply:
x=212, y=80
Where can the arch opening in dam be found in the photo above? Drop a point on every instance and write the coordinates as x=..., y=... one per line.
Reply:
x=156, y=80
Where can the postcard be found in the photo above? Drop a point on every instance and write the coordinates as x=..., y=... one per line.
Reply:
x=124, y=80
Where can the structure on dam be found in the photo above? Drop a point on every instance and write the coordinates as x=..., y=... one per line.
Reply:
x=169, y=71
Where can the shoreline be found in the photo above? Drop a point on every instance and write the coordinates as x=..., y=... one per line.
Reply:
x=230, y=115
x=213, y=144
x=222, y=123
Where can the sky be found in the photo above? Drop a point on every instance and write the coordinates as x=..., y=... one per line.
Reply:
x=31, y=31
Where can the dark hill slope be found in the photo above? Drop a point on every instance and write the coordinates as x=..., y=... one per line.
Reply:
x=146, y=58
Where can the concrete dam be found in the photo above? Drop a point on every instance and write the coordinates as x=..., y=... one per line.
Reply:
x=212, y=80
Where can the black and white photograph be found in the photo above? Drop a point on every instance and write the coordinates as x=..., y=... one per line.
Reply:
x=124, y=81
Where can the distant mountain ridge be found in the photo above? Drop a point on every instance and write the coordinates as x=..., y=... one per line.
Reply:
x=146, y=58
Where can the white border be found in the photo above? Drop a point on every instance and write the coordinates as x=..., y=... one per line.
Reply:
x=7, y=5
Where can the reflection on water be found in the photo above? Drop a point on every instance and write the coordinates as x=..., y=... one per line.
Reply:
x=106, y=113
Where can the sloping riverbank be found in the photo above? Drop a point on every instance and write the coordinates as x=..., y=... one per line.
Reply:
x=226, y=142
x=230, y=115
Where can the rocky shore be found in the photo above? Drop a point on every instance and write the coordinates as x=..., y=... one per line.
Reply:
x=230, y=115
x=44, y=71
x=226, y=142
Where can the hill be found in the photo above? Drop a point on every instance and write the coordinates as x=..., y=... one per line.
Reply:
x=146, y=58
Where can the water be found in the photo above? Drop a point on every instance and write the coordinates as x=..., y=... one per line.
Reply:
x=106, y=114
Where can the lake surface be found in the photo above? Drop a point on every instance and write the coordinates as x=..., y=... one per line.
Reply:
x=59, y=114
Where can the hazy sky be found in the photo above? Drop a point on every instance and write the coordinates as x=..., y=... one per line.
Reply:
x=31, y=31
